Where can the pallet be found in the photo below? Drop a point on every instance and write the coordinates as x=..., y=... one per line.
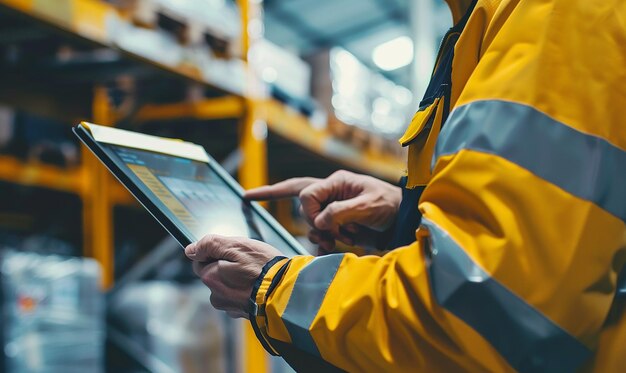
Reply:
x=151, y=14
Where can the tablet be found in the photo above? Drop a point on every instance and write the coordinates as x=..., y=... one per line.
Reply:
x=183, y=187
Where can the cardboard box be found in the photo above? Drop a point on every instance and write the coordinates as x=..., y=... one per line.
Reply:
x=53, y=313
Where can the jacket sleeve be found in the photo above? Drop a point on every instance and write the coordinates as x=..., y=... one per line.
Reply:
x=514, y=266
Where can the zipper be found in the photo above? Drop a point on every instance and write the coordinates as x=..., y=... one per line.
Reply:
x=441, y=48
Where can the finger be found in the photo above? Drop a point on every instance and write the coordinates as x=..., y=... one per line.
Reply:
x=284, y=189
x=340, y=213
x=213, y=247
x=315, y=197
x=327, y=242
x=312, y=200
x=326, y=247
x=349, y=234
x=198, y=267
x=345, y=236
x=211, y=276
x=303, y=214
x=207, y=273
x=314, y=236
x=317, y=237
x=235, y=278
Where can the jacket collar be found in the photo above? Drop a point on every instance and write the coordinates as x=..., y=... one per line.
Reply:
x=458, y=8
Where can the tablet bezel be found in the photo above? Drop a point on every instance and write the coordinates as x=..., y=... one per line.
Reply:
x=108, y=159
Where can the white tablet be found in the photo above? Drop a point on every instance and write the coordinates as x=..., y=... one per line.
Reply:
x=185, y=189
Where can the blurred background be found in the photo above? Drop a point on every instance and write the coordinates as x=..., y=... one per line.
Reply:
x=273, y=89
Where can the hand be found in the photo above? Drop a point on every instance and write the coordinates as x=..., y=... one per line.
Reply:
x=229, y=266
x=354, y=209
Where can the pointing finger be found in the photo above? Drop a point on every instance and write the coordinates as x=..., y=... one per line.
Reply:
x=284, y=189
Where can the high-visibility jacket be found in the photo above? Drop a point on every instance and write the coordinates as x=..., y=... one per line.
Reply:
x=515, y=265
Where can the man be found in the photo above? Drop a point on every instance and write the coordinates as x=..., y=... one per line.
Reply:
x=520, y=143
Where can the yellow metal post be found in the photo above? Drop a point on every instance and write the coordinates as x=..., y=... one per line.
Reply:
x=253, y=171
x=96, y=196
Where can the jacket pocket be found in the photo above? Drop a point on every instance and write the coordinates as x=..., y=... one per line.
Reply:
x=421, y=137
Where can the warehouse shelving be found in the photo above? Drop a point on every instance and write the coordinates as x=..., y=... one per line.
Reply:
x=88, y=22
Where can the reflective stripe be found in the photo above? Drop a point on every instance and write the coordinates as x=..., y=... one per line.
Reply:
x=306, y=298
x=528, y=340
x=586, y=166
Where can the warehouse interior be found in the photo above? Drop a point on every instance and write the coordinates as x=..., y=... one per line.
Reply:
x=271, y=89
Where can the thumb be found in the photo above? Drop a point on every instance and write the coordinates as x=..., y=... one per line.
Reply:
x=212, y=247
x=340, y=212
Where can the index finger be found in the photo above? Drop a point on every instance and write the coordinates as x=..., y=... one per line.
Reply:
x=283, y=189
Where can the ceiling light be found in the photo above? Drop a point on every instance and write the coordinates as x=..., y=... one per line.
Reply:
x=393, y=54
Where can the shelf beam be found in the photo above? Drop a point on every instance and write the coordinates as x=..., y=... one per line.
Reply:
x=66, y=180
x=294, y=127
x=209, y=109
x=32, y=174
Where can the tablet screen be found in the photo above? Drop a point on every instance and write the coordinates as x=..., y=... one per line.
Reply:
x=195, y=197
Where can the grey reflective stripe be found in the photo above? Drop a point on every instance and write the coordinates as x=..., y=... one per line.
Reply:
x=584, y=165
x=306, y=298
x=527, y=339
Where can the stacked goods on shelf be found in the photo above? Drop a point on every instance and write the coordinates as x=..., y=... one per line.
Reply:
x=88, y=18
x=148, y=43
x=364, y=107
x=287, y=76
x=201, y=37
x=176, y=324
x=53, y=313
x=37, y=140
x=212, y=56
x=215, y=22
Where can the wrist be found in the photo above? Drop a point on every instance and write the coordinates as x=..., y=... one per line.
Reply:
x=266, y=281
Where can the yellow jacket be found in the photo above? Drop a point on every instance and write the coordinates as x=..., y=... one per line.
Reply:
x=516, y=261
